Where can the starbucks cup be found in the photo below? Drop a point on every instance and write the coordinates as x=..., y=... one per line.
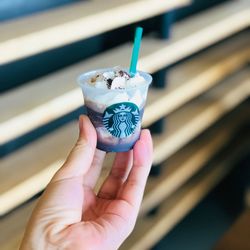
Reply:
x=115, y=113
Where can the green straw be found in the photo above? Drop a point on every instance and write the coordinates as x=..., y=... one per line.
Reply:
x=136, y=49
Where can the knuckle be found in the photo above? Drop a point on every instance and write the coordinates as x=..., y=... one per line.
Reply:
x=118, y=173
x=105, y=195
x=135, y=184
x=82, y=143
x=49, y=234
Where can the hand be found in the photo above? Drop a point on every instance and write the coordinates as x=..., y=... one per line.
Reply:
x=69, y=215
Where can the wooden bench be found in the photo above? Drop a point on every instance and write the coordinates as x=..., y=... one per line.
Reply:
x=61, y=26
x=178, y=170
x=60, y=89
x=40, y=160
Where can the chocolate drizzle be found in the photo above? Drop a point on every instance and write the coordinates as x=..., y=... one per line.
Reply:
x=109, y=83
x=127, y=75
x=108, y=77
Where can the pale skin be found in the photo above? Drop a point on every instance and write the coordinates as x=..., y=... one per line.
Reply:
x=70, y=215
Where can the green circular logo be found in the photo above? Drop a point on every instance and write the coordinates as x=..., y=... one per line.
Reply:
x=121, y=119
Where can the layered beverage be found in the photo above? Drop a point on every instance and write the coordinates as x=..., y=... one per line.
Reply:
x=115, y=102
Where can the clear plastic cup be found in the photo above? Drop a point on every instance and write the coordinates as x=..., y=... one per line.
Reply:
x=116, y=114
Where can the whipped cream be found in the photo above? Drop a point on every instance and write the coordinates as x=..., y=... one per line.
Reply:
x=131, y=89
x=116, y=79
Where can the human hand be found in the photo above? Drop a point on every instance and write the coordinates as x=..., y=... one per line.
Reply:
x=69, y=215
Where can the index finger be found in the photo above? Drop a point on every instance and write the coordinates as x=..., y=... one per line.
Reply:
x=133, y=188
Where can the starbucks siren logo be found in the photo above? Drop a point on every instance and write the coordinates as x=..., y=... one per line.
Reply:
x=121, y=119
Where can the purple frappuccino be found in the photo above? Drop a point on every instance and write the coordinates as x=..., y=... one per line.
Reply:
x=115, y=103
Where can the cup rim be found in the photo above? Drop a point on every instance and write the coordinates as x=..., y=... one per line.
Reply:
x=82, y=79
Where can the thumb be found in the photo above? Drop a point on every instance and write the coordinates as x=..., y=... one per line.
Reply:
x=81, y=156
x=61, y=203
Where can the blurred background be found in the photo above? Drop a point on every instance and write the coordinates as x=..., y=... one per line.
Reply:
x=198, y=192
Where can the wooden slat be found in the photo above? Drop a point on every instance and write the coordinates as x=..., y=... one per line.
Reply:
x=203, y=113
x=12, y=227
x=198, y=32
x=196, y=76
x=237, y=237
x=11, y=231
x=40, y=160
x=151, y=229
x=52, y=93
x=190, y=160
x=58, y=27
